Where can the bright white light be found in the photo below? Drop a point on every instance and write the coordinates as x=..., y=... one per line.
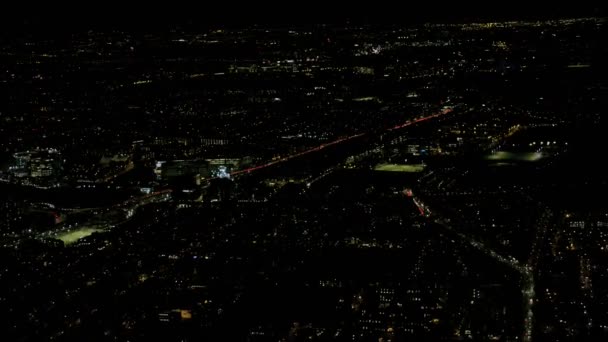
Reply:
x=222, y=172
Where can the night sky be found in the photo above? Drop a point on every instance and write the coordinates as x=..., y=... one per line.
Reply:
x=137, y=15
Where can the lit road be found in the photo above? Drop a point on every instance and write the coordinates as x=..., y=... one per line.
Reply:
x=299, y=154
x=103, y=218
x=339, y=141
x=145, y=199
x=126, y=203
x=527, y=278
x=413, y=122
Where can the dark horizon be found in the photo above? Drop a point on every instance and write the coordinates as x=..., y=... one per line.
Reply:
x=134, y=17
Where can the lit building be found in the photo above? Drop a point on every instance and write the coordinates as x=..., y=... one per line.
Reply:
x=180, y=168
x=36, y=164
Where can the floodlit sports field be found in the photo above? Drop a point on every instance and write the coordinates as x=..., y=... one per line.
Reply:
x=400, y=167
x=515, y=156
x=75, y=235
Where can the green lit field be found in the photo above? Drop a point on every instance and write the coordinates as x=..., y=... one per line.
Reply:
x=400, y=167
x=515, y=156
x=75, y=235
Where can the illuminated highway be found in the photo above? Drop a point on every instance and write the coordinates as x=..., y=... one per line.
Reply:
x=284, y=159
x=527, y=278
x=410, y=123
x=339, y=141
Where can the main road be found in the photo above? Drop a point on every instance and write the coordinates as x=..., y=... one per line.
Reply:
x=444, y=111
x=526, y=271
